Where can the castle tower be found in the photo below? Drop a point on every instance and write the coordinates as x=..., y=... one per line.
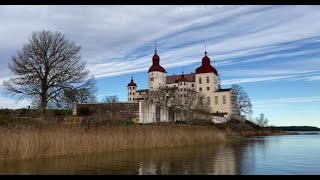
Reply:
x=132, y=88
x=157, y=74
x=206, y=78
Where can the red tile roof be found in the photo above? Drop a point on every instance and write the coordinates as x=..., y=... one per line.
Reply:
x=156, y=64
x=174, y=79
x=206, y=66
x=132, y=83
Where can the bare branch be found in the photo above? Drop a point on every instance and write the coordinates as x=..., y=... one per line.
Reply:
x=48, y=68
x=243, y=102
x=111, y=99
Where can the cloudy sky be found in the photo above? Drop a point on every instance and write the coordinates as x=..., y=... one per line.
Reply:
x=273, y=52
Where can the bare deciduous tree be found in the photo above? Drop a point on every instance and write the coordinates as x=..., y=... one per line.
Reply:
x=46, y=68
x=243, y=103
x=72, y=97
x=164, y=96
x=111, y=99
x=261, y=120
x=187, y=103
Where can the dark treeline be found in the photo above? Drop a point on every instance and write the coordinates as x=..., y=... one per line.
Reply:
x=295, y=128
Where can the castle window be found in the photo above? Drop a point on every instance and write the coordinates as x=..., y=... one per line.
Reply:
x=130, y=93
x=180, y=95
x=192, y=85
x=224, y=99
x=184, y=83
x=207, y=79
x=208, y=88
x=130, y=99
x=200, y=88
x=174, y=85
x=200, y=100
x=185, y=95
x=184, y=89
x=208, y=100
x=133, y=88
x=200, y=80
x=216, y=99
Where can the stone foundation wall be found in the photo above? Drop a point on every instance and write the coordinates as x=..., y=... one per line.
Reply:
x=112, y=111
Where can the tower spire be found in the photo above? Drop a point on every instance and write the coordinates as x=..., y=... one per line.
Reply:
x=155, y=46
x=182, y=69
x=205, y=48
x=131, y=76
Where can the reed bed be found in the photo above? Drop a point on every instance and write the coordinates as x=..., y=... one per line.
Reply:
x=18, y=143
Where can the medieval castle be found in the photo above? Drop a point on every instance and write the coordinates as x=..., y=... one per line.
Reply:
x=205, y=81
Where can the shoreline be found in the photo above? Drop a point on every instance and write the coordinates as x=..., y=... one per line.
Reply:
x=54, y=141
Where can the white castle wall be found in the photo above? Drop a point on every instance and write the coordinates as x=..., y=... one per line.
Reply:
x=147, y=113
x=157, y=79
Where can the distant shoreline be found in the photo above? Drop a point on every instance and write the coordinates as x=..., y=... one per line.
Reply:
x=295, y=128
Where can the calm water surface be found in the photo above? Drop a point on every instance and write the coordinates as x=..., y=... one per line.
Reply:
x=294, y=154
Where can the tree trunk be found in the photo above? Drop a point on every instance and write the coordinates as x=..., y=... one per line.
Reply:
x=43, y=105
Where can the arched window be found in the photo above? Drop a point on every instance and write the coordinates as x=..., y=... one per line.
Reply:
x=208, y=79
x=200, y=80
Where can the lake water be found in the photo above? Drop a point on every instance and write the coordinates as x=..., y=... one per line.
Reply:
x=293, y=154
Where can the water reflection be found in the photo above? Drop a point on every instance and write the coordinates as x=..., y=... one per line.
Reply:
x=213, y=159
x=269, y=155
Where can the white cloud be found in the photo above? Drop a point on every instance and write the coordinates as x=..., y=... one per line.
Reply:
x=110, y=34
x=252, y=79
x=119, y=40
x=273, y=103
x=13, y=104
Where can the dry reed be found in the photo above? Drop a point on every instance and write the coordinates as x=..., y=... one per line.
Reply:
x=32, y=142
